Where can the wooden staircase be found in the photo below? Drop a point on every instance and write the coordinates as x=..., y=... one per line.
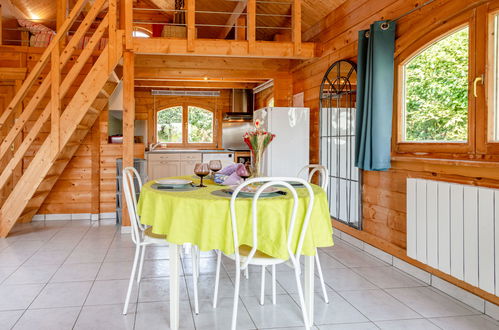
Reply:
x=68, y=118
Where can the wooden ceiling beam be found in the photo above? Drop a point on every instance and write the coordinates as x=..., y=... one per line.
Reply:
x=230, y=48
x=231, y=21
x=194, y=84
x=156, y=73
x=213, y=63
x=14, y=10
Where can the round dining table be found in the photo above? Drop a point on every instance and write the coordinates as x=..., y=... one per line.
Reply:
x=201, y=216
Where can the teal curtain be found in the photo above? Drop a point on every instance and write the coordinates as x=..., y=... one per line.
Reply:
x=375, y=96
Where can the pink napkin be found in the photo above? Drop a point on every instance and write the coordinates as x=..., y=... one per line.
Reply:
x=228, y=170
x=233, y=179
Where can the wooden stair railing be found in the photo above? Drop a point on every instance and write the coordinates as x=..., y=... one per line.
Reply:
x=44, y=94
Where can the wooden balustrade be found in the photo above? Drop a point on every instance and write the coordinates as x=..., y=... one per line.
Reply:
x=53, y=60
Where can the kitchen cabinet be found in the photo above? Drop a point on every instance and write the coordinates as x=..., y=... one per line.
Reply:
x=162, y=165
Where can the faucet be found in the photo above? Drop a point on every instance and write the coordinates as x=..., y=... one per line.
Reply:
x=153, y=146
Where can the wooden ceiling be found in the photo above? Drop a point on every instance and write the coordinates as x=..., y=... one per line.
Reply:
x=312, y=12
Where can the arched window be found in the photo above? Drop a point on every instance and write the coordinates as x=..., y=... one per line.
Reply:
x=270, y=102
x=139, y=32
x=435, y=91
x=186, y=125
x=200, y=128
x=169, y=125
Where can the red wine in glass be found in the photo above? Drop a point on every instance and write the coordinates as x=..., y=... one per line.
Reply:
x=243, y=172
x=201, y=170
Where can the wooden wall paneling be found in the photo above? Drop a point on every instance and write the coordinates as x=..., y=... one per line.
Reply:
x=95, y=165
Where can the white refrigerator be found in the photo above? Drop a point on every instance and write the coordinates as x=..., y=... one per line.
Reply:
x=288, y=153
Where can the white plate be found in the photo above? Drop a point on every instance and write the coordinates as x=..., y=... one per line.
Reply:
x=253, y=189
x=176, y=182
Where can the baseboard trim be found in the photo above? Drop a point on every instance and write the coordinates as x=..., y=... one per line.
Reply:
x=74, y=216
x=460, y=294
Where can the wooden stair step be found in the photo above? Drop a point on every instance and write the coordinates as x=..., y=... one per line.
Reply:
x=50, y=177
x=82, y=128
x=28, y=210
x=93, y=110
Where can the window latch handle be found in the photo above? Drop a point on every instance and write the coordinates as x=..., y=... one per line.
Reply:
x=477, y=80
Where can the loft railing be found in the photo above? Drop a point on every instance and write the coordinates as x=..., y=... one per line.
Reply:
x=247, y=20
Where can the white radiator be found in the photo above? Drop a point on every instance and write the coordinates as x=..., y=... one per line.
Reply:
x=455, y=229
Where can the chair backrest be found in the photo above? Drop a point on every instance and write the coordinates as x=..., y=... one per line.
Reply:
x=266, y=182
x=311, y=169
x=130, y=174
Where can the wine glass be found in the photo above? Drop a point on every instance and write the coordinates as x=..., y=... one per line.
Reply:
x=243, y=172
x=201, y=170
x=215, y=166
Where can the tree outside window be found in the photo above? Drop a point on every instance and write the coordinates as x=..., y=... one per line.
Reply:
x=169, y=125
x=172, y=121
x=200, y=125
x=436, y=91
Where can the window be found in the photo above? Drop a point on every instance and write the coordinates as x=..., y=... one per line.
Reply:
x=270, y=102
x=495, y=78
x=200, y=125
x=186, y=125
x=140, y=34
x=435, y=101
x=169, y=125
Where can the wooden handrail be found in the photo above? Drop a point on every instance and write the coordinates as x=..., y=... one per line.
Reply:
x=28, y=83
x=41, y=120
x=43, y=88
x=55, y=99
x=75, y=69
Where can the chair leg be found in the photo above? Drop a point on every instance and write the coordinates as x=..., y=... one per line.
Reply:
x=142, y=256
x=236, y=296
x=246, y=272
x=319, y=270
x=302, y=300
x=132, y=277
x=262, y=290
x=217, y=278
x=273, y=285
x=195, y=276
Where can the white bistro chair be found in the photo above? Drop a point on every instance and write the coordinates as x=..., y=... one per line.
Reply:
x=323, y=183
x=143, y=236
x=245, y=255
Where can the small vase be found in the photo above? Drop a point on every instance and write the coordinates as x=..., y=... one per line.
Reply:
x=256, y=160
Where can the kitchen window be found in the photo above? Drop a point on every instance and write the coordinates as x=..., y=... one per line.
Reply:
x=186, y=125
x=200, y=125
x=169, y=125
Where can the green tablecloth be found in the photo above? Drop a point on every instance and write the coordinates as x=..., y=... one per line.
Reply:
x=203, y=219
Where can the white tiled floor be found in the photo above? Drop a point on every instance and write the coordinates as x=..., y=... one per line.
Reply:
x=73, y=275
